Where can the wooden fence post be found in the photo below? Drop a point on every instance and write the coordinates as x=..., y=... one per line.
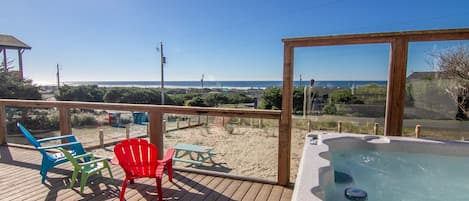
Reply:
x=156, y=131
x=177, y=122
x=375, y=129
x=310, y=125
x=198, y=119
x=223, y=121
x=189, y=122
x=206, y=121
x=239, y=121
x=417, y=131
x=339, y=127
x=127, y=131
x=260, y=123
x=65, y=125
x=3, y=124
x=101, y=138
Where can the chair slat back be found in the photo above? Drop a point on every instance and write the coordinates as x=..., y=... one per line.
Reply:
x=28, y=135
x=137, y=157
x=69, y=157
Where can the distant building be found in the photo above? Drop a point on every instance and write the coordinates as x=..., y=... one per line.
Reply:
x=8, y=42
x=426, y=76
x=427, y=97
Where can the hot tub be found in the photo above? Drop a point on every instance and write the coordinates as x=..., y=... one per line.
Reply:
x=378, y=168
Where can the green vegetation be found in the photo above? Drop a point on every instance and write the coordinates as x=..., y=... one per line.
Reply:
x=87, y=93
x=12, y=86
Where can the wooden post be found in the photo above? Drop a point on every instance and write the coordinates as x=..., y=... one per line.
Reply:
x=310, y=125
x=65, y=126
x=260, y=123
x=375, y=129
x=417, y=131
x=156, y=131
x=206, y=121
x=396, y=87
x=189, y=122
x=251, y=123
x=3, y=124
x=223, y=121
x=239, y=121
x=127, y=132
x=177, y=122
x=198, y=119
x=20, y=62
x=5, y=59
x=339, y=126
x=285, y=122
x=101, y=138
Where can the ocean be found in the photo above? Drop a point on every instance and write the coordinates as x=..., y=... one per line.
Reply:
x=225, y=84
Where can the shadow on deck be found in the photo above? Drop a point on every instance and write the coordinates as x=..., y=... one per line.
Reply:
x=20, y=180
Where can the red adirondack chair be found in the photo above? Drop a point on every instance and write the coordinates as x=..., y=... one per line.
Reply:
x=138, y=158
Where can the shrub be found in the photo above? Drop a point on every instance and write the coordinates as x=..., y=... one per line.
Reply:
x=329, y=109
x=13, y=86
x=87, y=93
x=83, y=119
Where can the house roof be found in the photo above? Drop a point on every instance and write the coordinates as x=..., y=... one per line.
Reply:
x=10, y=42
x=425, y=75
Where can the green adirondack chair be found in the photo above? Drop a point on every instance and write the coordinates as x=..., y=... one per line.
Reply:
x=94, y=166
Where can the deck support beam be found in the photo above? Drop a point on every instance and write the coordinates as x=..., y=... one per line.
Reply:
x=396, y=87
x=3, y=125
x=65, y=123
x=285, y=122
x=156, y=131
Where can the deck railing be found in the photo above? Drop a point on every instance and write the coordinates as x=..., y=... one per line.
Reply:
x=155, y=129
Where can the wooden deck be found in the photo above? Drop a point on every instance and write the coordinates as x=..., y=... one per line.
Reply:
x=20, y=180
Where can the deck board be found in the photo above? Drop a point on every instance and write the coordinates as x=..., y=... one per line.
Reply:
x=20, y=180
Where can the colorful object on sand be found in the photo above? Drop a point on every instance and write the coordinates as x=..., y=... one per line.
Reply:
x=50, y=160
x=138, y=158
x=94, y=166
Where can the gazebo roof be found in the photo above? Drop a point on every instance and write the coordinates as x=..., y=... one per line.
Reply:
x=10, y=42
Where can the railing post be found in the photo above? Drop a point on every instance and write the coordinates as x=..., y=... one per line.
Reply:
x=65, y=126
x=417, y=131
x=156, y=131
x=375, y=128
x=101, y=138
x=3, y=124
x=339, y=126
x=127, y=132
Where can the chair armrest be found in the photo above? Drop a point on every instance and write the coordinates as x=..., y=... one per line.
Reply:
x=58, y=145
x=93, y=161
x=84, y=155
x=55, y=138
x=168, y=156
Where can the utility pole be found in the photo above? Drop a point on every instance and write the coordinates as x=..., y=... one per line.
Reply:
x=163, y=61
x=301, y=80
x=58, y=78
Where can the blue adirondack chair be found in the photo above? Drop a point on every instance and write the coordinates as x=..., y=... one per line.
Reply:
x=49, y=160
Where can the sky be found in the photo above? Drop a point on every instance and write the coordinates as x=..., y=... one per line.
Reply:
x=116, y=40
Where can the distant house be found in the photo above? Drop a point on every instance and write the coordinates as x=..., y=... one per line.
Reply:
x=426, y=76
x=427, y=97
x=8, y=42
